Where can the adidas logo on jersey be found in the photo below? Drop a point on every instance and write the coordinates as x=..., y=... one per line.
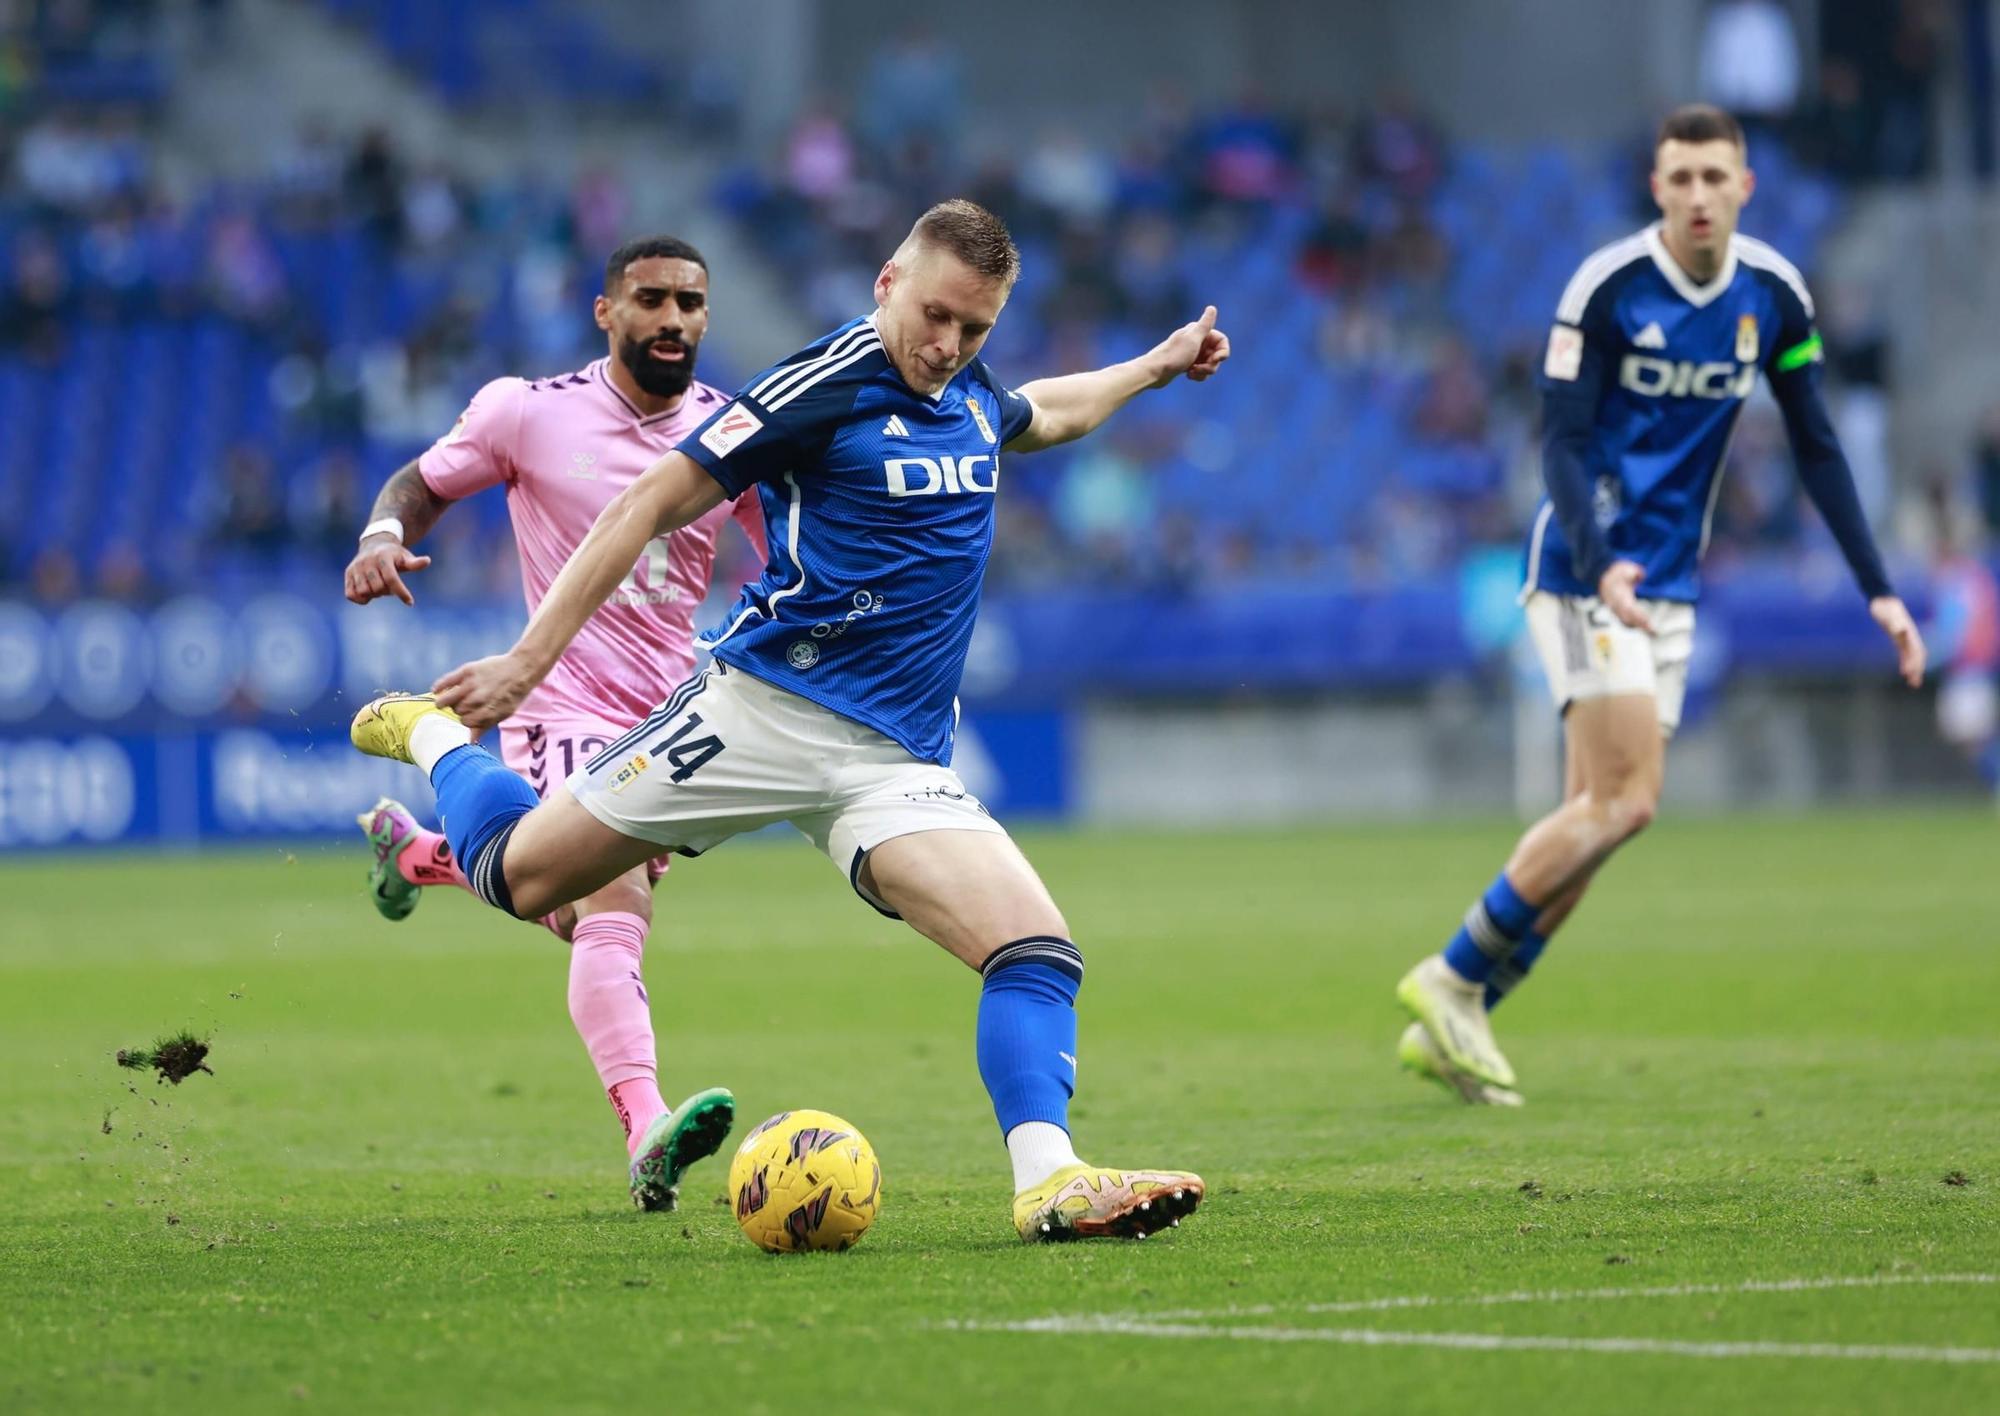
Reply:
x=894, y=428
x=1651, y=337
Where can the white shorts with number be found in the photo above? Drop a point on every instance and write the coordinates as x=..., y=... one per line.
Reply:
x=729, y=753
x=549, y=749
x=1588, y=652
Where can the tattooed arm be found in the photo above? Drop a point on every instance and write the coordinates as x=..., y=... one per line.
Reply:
x=378, y=566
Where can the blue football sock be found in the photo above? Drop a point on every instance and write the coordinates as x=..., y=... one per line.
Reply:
x=479, y=802
x=1506, y=977
x=1027, y=1030
x=1493, y=929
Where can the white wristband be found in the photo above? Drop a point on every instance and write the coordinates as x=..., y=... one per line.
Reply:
x=388, y=525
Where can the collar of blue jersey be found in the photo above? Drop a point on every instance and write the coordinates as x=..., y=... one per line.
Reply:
x=1684, y=286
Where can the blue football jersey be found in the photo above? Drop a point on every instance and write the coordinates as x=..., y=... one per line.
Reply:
x=1660, y=368
x=880, y=503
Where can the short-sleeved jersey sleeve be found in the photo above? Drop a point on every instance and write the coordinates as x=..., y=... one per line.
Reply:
x=742, y=443
x=750, y=440
x=478, y=452
x=1016, y=412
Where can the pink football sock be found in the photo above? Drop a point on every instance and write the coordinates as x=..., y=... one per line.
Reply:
x=427, y=861
x=607, y=1001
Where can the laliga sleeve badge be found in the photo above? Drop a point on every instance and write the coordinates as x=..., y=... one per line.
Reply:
x=733, y=427
x=1565, y=356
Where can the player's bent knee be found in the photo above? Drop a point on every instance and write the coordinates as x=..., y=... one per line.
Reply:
x=628, y=894
x=1634, y=814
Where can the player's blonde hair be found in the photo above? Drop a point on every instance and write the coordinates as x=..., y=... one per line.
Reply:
x=973, y=234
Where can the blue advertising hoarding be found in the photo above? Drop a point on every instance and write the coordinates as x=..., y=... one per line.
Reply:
x=208, y=719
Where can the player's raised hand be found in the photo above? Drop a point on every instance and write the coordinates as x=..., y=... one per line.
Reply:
x=1196, y=349
x=1618, y=588
x=1894, y=617
x=485, y=691
x=377, y=570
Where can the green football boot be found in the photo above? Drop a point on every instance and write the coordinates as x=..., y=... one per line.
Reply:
x=692, y=1131
x=390, y=829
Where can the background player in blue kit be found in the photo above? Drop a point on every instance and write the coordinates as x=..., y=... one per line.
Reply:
x=831, y=702
x=1658, y=340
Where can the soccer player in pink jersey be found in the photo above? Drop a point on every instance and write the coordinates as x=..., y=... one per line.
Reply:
x=564, y=447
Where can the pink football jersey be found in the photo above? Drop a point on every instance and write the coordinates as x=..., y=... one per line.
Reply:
x=565, y=446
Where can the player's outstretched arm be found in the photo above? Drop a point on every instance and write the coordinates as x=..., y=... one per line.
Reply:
x=667, y=496
x=382, y=558
x=1068, y=407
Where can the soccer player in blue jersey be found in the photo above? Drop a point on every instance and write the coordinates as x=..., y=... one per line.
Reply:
x=1658, y=340
x=831, y=701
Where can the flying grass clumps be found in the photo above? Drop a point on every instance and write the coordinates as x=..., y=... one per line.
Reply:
x=175, y=1058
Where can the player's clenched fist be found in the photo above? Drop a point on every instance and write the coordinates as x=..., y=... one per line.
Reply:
x=377, y=570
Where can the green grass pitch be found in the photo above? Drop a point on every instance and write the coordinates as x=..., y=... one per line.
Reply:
x=1765, y=1051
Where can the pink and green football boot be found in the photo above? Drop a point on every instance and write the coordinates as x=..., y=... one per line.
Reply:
x=391, y=830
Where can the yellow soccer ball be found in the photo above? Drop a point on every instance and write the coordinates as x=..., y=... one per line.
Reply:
x=805, y=1180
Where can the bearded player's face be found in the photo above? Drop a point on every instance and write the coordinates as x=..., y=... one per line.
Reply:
x=1700, y=189
x=656, y=319
x=934, y=315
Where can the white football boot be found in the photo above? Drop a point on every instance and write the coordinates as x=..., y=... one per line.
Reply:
x=1425, y=1058
x=1453, y=1011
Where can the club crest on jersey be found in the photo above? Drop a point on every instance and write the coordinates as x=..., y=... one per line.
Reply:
x=932, y=476
x=1746, y=339
x=979, y=417
x=628, y=774
x=803, y=654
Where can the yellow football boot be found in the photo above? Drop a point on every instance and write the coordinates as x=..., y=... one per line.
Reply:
x=382, y=727
x=1092, y=1202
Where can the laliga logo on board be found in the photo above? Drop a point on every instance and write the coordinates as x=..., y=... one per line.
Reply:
x=930, y=476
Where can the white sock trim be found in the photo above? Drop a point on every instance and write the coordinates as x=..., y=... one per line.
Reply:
x=1038, y=1149
x=434, y=736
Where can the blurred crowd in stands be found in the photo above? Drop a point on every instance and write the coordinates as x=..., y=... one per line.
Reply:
x=210, y=378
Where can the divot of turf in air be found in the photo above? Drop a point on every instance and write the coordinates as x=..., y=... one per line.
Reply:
x=175, y=1058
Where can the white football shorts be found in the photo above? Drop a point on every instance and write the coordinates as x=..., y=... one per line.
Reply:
x=1588, y=652
x=729, y=753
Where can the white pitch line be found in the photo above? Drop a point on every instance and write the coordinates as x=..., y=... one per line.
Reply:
x=1492, y=1342
x=1573, y=1295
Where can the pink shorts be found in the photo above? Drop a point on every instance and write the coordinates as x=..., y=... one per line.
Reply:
x=546, y=753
